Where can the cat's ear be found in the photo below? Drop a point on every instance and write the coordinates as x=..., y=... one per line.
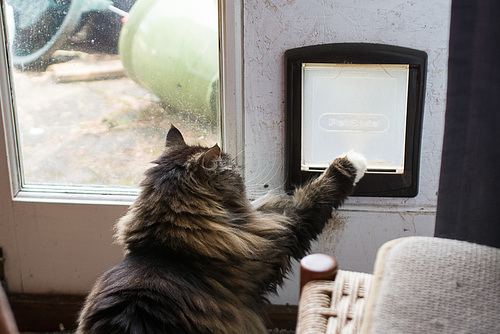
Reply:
x=210, y=156
x=174, y=137
x=207, y=160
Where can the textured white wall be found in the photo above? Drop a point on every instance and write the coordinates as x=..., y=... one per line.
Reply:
x=270, y=28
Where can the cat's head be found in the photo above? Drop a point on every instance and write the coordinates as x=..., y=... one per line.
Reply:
x=192, y=194
x=190, y=177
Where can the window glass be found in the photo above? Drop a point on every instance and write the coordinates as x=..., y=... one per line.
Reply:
x=97, y=84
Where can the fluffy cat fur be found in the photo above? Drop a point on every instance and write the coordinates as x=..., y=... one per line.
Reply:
x=199, y=256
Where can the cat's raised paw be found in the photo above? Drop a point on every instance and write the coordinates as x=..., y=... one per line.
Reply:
x=359, y=162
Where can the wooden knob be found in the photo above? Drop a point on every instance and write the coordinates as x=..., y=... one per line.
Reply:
x=317, y=267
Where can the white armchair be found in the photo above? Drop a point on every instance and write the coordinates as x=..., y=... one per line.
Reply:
x=419, y=285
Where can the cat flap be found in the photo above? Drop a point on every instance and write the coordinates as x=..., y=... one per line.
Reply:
x=174, y=137
x=356, y=96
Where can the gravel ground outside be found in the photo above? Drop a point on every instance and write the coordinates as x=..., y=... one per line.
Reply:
x=100, y=132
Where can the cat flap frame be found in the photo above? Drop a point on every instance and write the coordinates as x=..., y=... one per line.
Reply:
x=372, y=77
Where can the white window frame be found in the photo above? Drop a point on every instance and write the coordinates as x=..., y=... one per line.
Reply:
x=231, y=125
x=26, y=210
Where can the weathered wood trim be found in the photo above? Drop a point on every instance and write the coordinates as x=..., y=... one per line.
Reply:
x=45, y=313
x=50, y=313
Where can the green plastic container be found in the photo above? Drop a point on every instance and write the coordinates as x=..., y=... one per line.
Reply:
x=170, y=47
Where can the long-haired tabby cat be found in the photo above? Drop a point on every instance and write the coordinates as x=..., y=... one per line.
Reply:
x=199, y=257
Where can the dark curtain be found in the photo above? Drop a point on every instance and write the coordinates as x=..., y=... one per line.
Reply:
x=468, y=200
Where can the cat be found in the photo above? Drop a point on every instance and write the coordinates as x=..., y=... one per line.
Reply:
x=199, y=256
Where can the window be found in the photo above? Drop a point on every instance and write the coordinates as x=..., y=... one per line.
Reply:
x=92, y=100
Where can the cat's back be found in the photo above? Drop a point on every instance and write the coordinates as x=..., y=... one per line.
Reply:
x=139, y=295
x=157, y=294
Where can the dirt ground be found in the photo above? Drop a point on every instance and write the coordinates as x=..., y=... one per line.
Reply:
x=99, y=132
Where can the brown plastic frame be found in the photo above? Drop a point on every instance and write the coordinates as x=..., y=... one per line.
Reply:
x=372, y=184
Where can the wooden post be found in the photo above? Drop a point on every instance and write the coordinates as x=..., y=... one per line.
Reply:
x=317, y=267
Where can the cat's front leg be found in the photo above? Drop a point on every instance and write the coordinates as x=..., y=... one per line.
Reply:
x=314, y=201
x=291, y=222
